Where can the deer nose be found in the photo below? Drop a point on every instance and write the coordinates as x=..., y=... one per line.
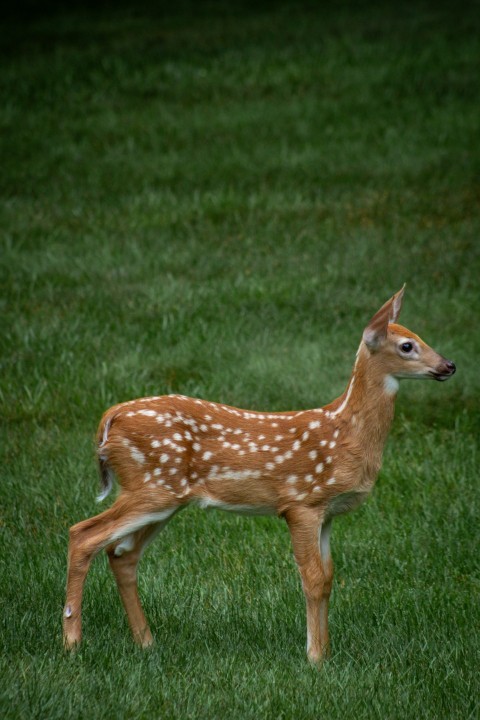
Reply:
x=451, y=367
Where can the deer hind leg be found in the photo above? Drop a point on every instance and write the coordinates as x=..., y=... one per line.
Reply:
x=89, y=537
x=304, y=525
x=327, y=563
x=124, y=557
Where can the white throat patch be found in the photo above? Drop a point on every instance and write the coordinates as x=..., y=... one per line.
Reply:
x=391, y=385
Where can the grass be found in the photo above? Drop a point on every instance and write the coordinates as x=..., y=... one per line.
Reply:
x=214, y=199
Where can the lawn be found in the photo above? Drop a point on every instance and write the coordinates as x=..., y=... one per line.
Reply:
x=213, y=199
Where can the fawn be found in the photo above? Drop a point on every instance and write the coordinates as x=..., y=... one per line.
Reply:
x=307, y=466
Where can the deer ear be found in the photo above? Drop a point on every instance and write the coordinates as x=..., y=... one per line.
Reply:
x=376, y=331
x=397, y=302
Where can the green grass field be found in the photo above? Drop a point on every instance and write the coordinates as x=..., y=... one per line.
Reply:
x=213, y=200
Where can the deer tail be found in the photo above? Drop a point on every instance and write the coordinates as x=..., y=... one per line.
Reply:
x=107, y=476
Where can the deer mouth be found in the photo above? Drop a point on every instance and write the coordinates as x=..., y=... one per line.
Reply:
x=443, y=375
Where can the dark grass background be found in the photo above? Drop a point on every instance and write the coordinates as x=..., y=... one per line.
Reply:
x=213, y=199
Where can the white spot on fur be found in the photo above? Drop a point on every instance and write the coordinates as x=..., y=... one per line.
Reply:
x=292, y=479
x=331, y=481
x=138, y=456
x=314, y=424
x=207, y=455
x=312, y=454
x=147, y=477
x=147, y=413
x=319, y=468
x=227, y=474
x=164, y=458
x=332, y=444
x=155, y=443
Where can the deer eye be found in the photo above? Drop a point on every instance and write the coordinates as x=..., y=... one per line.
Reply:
x=406, y=347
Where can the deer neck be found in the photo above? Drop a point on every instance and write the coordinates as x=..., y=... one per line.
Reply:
x=366, y=408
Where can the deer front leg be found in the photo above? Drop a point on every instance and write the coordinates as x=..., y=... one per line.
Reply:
x=305, y=529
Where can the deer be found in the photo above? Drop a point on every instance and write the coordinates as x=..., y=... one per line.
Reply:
x=306, y=466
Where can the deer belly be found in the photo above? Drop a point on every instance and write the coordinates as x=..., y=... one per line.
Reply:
x=239, y=491
x=207, y=502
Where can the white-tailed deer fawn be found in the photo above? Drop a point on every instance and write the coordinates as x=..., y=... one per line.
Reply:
x=307, y=466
